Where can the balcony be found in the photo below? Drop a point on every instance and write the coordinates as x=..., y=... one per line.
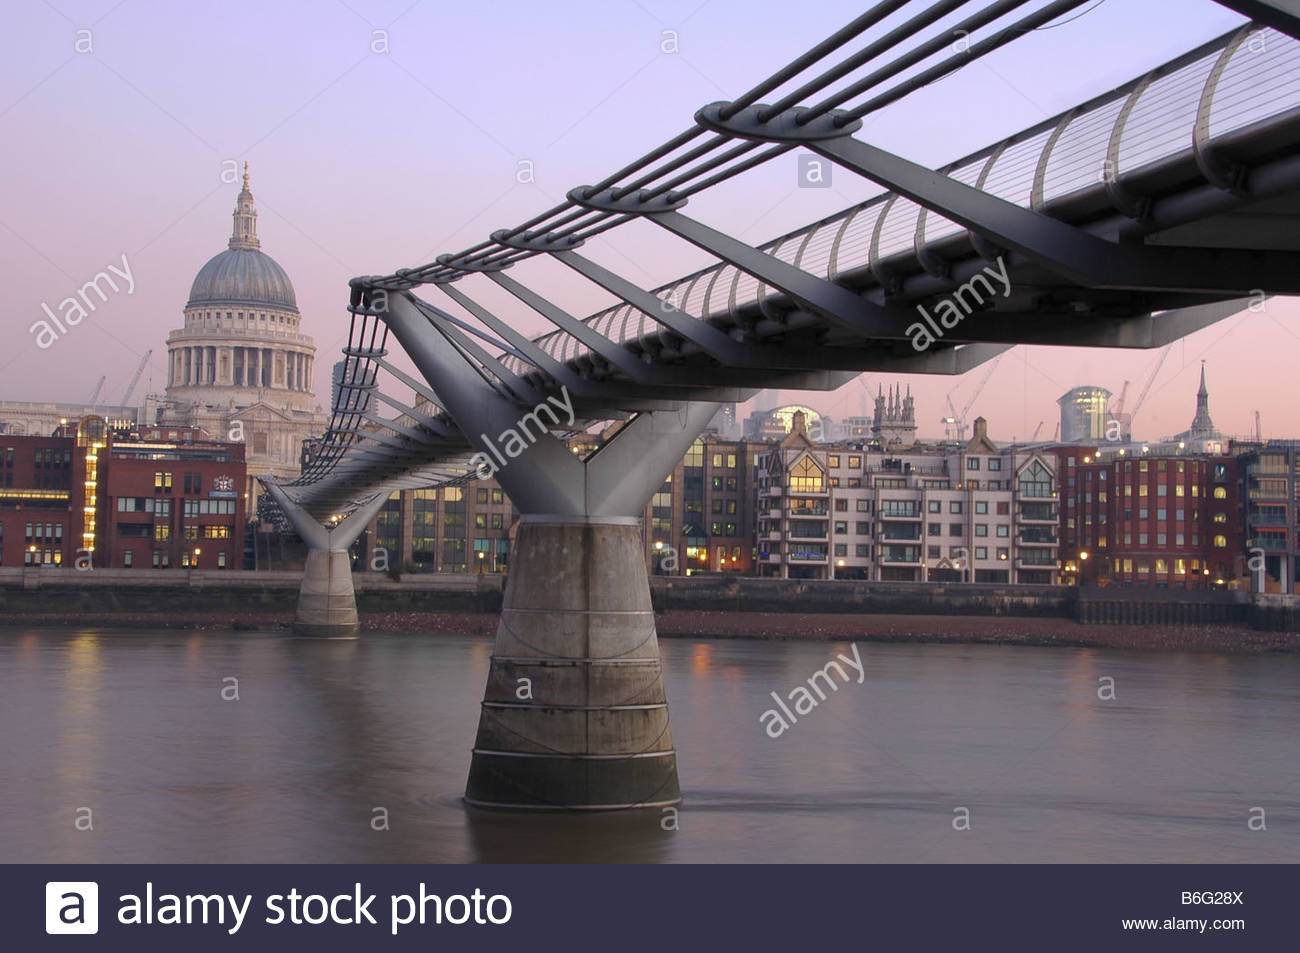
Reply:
x=810, y=533
x=900, y=515
x=770, y=491
x=816, y=489
x=904, y=534
x=807, y=556
x=1036, y=515
x=1036, y=560
x=800, y=512
x=900, y=555
x=1272, y=543
x=771, y=535
x=1037, y=536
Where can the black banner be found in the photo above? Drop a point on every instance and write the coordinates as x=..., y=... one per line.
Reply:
x=648, y=908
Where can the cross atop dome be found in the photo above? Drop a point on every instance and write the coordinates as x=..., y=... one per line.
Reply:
x=244, y=234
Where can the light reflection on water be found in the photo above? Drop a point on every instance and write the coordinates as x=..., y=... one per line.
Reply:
x=135, y=728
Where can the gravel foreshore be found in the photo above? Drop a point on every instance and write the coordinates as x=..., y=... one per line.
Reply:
x=999, y=630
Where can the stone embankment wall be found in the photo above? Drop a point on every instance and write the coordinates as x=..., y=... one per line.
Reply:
x=101, y=592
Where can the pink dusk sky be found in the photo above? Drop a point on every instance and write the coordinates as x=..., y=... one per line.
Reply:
x=381, y=134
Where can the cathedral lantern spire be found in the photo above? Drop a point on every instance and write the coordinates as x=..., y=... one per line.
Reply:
x=244, y=234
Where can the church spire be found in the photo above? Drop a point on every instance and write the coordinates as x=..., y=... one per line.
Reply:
x=1202, y=424
x=244, y=234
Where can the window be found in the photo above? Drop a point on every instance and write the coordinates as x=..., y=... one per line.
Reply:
x=855, y=463
x=981, y=552
x=1004, y=553
x=498, y=496
x=496, y=521
x=841, y=549
x=933, y=529
x=833, y=461
x=995, y=463
x=863, y=528
x=841, y=506
x=981, y=529
x=972, y=463
x=1036, y=480
x=480, y=521
x=954, y=529
x=128, y=559
x=221, y=560
x=1220, y=541
x=862, y=550
x=806, y=477
x=1220, y=493
x=864, y=506
x=841, y=529
x=954, y=507
x=1218, y=517
x=934, y=506
x=481, y=495
x=1004, y=531
x=1004, y=509
x=932, y=552
x=981, y=507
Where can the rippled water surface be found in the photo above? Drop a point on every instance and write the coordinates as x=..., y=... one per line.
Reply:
x=134, y=727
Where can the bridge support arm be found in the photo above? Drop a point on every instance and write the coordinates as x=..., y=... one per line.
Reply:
x=327, y=603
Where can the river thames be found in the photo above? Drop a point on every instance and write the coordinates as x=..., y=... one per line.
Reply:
x=1195, y=758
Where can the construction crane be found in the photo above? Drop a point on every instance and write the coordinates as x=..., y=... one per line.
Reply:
x=98, y=387
x=1036, y=429
x=1150, y=380
x=957, y=421
x=1118, y=407
x=130, y=388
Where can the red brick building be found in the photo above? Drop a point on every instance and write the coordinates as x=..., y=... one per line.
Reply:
x=1156, y=519
x=41, y=500
x=171, y=498
x=144, y=498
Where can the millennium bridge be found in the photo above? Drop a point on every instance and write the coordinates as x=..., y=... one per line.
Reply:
x=1129, y=221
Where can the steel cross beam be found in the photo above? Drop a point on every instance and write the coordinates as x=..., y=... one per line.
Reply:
x=1281, y=15
x=833, y=302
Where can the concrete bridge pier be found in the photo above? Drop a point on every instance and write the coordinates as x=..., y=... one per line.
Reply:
x=327, y=603
x=574, y=716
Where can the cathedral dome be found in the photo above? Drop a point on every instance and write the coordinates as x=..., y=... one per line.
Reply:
x=243, y=274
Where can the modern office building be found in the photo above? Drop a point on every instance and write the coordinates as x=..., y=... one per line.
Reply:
x=777, y=422
x=702, y=517
x=1084, y=411
x=979, y=513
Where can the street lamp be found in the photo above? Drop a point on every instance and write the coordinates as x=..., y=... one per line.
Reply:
x=481, y=556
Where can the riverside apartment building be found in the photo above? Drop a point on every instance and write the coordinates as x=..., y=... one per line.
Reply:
x=974, y=513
